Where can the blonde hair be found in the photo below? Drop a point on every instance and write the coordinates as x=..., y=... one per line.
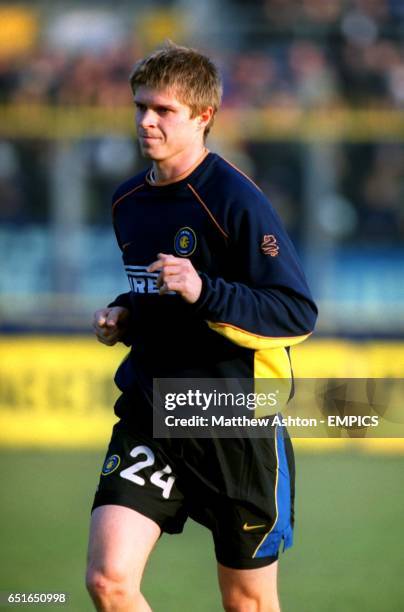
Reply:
x=191, y=75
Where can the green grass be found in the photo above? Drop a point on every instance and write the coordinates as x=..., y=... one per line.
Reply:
x=349, y=540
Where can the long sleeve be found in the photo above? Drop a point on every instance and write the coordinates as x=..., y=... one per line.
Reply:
x=121, y=300
x=272, y=307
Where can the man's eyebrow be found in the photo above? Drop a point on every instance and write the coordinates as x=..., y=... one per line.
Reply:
x=156, y=105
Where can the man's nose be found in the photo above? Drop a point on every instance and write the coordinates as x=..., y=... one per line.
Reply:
x=147, y=118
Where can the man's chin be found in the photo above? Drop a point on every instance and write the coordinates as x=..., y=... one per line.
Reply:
x=148, y=153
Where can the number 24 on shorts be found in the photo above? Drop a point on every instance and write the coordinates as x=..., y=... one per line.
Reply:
x=157, y=478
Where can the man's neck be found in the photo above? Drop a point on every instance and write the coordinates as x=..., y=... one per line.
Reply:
x=174, y=169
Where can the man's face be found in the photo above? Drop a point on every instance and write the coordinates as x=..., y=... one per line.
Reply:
x=164, y=124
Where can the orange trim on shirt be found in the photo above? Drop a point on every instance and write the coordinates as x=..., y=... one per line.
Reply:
x=241, y=172
x=198, y=197
x=125, y=195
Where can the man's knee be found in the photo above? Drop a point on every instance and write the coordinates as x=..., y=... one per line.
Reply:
x=242, y=604
x=110, y=585
x=239, y=600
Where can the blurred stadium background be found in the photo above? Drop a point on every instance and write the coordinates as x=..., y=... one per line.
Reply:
x=313, y=111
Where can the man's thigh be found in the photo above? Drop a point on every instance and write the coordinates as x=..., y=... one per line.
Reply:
x=250, y=589
x=120, y=543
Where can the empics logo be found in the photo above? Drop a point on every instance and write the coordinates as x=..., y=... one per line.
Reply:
x=185, y=242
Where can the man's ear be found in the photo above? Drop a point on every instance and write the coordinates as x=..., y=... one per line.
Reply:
x=205, y=117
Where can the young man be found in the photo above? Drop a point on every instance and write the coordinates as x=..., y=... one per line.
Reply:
x=216, y=291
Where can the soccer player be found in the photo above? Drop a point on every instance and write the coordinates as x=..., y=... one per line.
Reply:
x=216, y=291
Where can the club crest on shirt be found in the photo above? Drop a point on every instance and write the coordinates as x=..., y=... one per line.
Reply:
x=110, y=465
x=185, y=242
x=269, y=246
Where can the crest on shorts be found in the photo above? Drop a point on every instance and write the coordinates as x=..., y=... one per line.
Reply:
x=110, y=464
x=269, y=245
x=185, y=242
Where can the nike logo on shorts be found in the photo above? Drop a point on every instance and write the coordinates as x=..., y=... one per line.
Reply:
x=247, y=527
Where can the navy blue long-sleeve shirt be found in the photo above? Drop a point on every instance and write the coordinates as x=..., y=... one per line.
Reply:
x=254, y=303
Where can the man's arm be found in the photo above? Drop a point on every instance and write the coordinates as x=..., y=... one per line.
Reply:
x=270, y=305
x=272, y=308
x=256, y=318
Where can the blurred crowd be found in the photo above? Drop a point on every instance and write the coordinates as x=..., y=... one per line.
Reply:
x=272, y=53
x=310, y=52
x=320, y=52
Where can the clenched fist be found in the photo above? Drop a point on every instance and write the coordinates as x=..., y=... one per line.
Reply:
x=177, y=274
x=111, y=324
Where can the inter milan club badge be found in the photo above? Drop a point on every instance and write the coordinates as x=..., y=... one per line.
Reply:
x=185, y=242
x=110, y=465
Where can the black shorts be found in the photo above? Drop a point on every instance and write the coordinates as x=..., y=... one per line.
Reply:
x=241, y=489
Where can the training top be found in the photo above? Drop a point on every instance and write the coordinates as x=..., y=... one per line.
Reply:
x=255, y=302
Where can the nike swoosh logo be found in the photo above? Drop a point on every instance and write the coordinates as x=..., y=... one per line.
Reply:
x=247, y=527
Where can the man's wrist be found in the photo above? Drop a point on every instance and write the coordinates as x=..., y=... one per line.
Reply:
x=203, y=295
x=122, y=300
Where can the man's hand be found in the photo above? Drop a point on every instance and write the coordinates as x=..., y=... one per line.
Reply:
x=177, y=274
x=111, y=324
